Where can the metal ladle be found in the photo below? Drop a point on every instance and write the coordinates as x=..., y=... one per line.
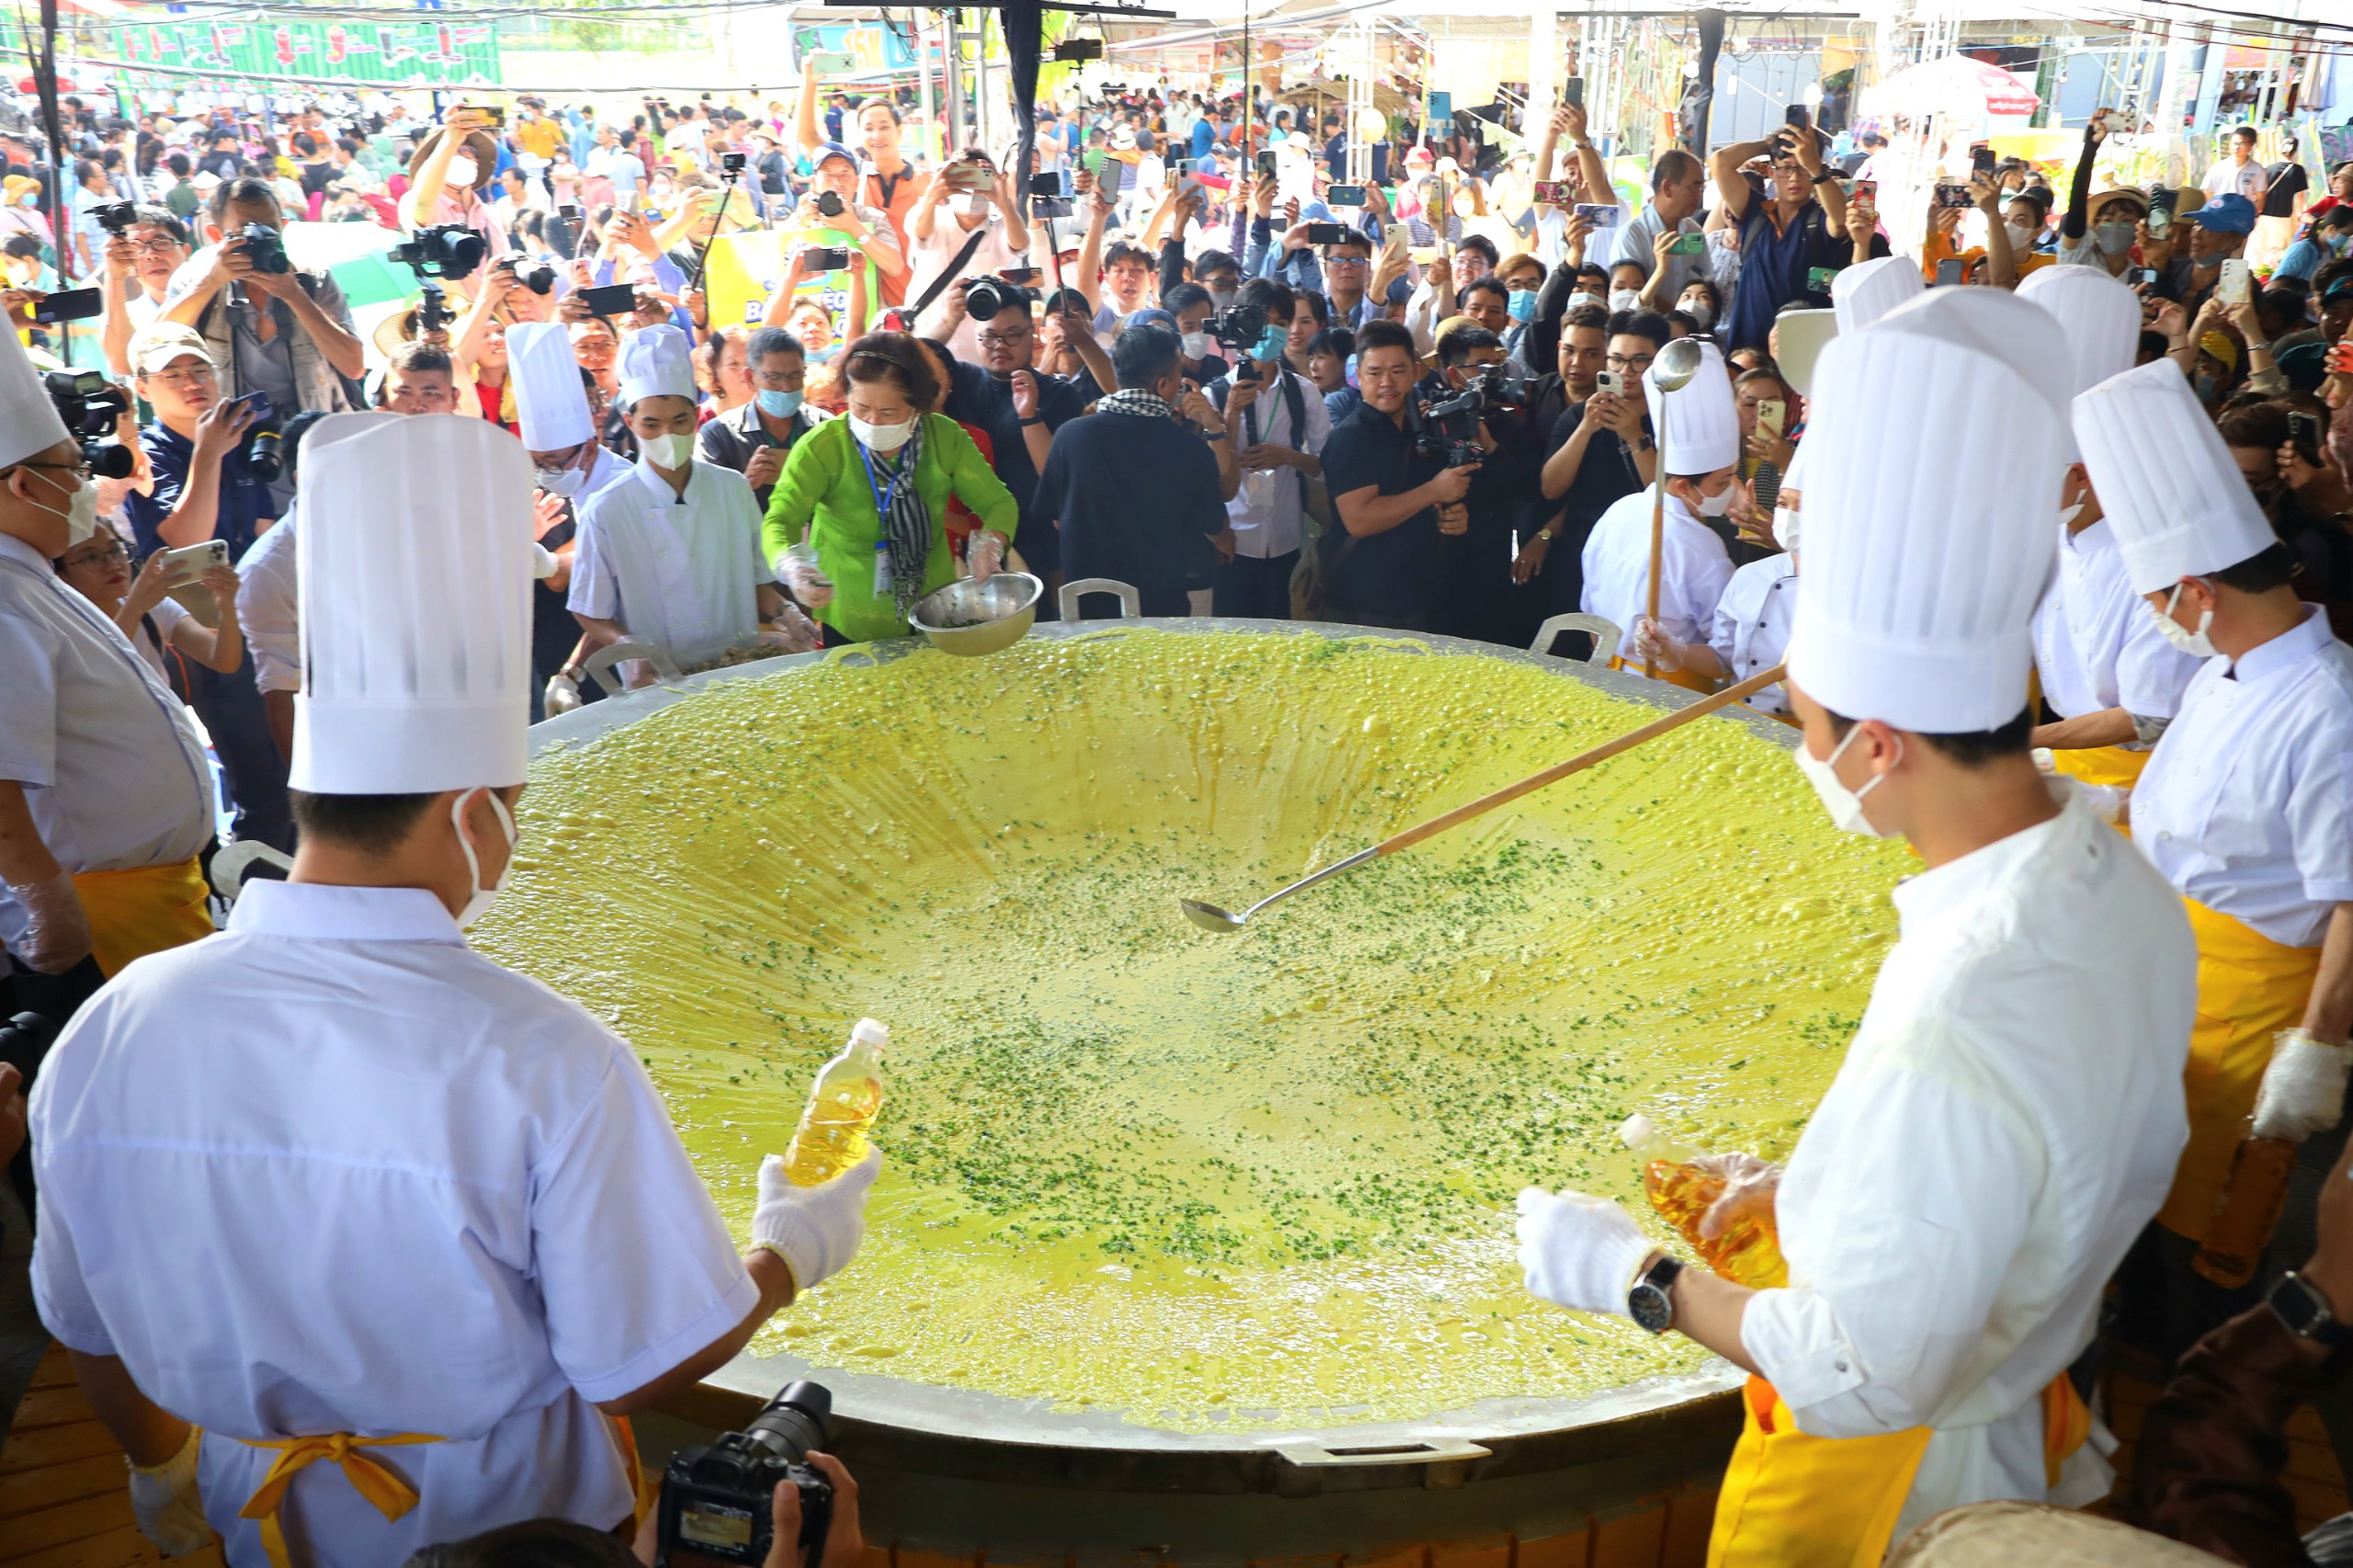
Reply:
x=1210, y=917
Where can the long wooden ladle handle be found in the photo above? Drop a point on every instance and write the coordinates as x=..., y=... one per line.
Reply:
x=1583, y=760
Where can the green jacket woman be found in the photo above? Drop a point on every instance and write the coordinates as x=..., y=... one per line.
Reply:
x=846, y=476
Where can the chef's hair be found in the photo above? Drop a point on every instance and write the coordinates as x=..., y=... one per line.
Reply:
x=535, y=1543
x=372, y=824
x=1969, y=748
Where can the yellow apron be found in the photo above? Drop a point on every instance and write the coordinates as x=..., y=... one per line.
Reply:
x=143, y=911
x=2249, y=988
x=391, y=1495
x=1794, y=1501
x=1683, y=678
x=2102, y=764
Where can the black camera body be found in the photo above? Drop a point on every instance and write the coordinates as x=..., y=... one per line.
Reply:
x=265, y=248
x=441, y=250
x=90, y=404
x=984, y=297
x=830, y=203
x=733, y=162
x=538, y=277
x=432, y=309
x=1240, y=327
x=116, y=217
x=1448, y=430
x=717, y=1499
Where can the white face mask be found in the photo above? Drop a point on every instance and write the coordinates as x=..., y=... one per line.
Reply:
x=972, y=204
x=2021, y=235
x=1785, y=528
x=481, y=898
x=1625, y=300
x=2197, y=645
x=1699, y=311
x=2067, y=515
x=1197, y=345
x=671, y=451
x=1716, y=505
x=81, y=512
x=1844, y=805
x=881, y=438
x=462, y=172
x=565, y=482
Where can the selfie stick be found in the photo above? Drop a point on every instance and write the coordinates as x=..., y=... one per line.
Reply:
x=727, y=179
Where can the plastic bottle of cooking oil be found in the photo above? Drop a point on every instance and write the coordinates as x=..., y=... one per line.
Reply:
x=1747, y=1252
x=2249, y=1208
x=841, y=1111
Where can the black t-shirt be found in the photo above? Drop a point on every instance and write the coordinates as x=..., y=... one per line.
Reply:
x=1385, y=574
x=975, y=397
x=1136, y=496
x=2286, y=182
x=316, y=177
x=1606, y=473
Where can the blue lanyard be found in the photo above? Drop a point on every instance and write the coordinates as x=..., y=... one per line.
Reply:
x=884, y=494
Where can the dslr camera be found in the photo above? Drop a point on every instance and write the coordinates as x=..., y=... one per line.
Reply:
x=1239, y=327
x=538, y=277
x=116, y=217
x=716, y=1499
x=441, y=250
x=265, y=248
x=830, y=203
x=984, y=297
x=1448, y=430
x=89, y=404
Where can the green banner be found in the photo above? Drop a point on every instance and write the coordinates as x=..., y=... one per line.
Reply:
x=409, y=54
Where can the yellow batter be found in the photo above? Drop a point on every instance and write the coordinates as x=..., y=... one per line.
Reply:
x=1207, y=1181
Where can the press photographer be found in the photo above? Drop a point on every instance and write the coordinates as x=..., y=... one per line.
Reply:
x=266, y=326
x=143, y=249
x=1483, y=423
x=1277, y=423
x=1393, y=497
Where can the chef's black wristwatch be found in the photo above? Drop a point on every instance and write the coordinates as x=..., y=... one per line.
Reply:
x=2305, y=1313
x=1648, y=1302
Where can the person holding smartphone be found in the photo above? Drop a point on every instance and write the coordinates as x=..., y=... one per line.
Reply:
x=1786, y=232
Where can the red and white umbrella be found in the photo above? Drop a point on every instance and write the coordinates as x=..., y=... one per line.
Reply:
x=1956, y=86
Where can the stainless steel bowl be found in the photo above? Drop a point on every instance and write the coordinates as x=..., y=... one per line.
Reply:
x=969, y=618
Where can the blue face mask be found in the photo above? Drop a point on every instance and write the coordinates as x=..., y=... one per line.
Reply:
x=1521, y=304
x=1271, y=343
x=779, y=404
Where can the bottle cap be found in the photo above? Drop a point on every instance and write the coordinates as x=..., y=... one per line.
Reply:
x=870, y=1031
x=1637, y=1129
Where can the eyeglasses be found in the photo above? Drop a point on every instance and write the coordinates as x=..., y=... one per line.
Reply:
x=101, y=555
x=1347, y=261
x=1621, y=363
x=1000, y=339
x=186, y=378
x=160, y=245
x=79, y=470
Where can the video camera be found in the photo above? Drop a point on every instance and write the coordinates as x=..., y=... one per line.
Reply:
x=984, y=297
x=441, y=250
x=717, y=1499
x=116, y=217
x=265, y=248
x=1448, y=430
x=89, y=404
x=1239, y=327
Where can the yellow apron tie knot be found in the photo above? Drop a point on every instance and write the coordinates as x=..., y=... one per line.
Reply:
x=390, y=1496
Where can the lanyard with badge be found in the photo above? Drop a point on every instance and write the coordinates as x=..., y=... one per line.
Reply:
x=885, y=497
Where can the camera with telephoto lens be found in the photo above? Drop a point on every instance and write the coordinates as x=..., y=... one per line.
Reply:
x=90, y=404
x=538, y=277
x=717, y=1500
x=984, y=297
x=116, y=217
x=829, y=203
x=265, y=248
x=441, y=250
x=1500, y=388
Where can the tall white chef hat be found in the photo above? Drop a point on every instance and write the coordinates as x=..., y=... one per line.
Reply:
x=549, y=400
x=415, y=578
x=2167, y=484
x=656, y=361
x=1864, y=292
x=2099, y=324
x=1697, y=424
x=28, y=421
x=1920, y=579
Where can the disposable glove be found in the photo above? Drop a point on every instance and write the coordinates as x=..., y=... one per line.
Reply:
x=1750, y=1185
x=799, y=572
x=1578, y=1252
x=2304, y=1089
x=562, y=696
x=1651, y=645
x=985, y=555
x=814, y=1229
x=165, y=1502
x=793, y=631
x=57, y=928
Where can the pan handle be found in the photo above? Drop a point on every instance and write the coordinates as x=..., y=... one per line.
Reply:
x=1420, y=1450
x=1130, y=602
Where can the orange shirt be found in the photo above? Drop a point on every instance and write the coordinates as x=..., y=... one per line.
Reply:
x=896, y=199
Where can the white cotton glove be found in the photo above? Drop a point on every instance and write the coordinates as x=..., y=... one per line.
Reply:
x=1750, y=1185
x=1578, y=1252
x=814, y=1229
x=2044, y=762
x=2304, y=1089
x=562, y=695
x=57, y=928
x=793, y=631
x=985, y=555
x=543, y=562
x=1653, y=645
x=799, y=572
x=166, y=1503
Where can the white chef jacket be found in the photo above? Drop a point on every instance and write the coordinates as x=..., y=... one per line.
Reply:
x=113, y=769
x=2246, y=805
x=2005, y=1121
x=1751, y=630
x=683, y=576
x=332, y=1171
x=1616, y=558
x=1266, y=510
x=270, y=606
x=2095, y=645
